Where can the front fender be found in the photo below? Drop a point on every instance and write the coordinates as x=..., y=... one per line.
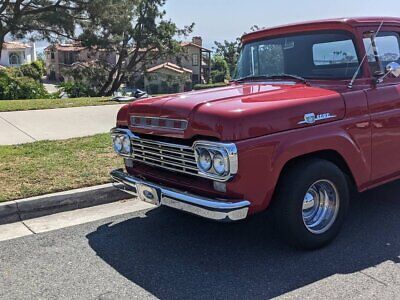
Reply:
x=261, y=160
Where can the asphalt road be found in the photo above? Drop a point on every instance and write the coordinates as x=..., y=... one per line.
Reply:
x=169, y=255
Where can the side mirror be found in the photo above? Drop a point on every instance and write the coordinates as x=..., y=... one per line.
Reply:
x=393, y=68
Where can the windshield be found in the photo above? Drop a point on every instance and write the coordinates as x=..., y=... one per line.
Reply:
x=315, y=55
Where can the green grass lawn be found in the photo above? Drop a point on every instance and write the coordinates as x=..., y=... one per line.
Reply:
x=33, y=104
x=52, y=166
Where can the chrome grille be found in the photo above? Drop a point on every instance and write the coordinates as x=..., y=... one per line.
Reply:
x=173, y=157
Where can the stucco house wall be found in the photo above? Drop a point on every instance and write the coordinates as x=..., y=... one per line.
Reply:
x=15, y=54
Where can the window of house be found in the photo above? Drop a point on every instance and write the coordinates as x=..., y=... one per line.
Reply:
x=52, y=55
x=382, y=50
x=195, y=59
x=14, y=59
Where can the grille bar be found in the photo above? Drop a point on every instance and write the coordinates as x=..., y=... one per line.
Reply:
x=157, y=154
x=155, y=147
x=163, y=162
x=173, y=157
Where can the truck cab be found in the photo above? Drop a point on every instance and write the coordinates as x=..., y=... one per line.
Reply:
x=313, y=110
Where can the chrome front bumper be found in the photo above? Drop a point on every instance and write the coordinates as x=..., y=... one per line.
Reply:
x=219, y=210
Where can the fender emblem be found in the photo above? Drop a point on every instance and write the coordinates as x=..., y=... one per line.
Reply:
x=311, y=118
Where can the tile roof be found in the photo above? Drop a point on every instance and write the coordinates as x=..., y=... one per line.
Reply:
x=66, y=47
x=185, y=44
x=15, y=45
x=169, y=66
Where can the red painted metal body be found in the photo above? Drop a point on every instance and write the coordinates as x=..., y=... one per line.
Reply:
x=262, y=120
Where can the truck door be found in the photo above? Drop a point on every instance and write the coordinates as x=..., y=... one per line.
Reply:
x=384, y=103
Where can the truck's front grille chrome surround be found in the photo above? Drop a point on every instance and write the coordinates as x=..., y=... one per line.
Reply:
x=179, y=158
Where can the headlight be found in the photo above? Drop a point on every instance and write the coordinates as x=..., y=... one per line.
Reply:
x=217, y=161
x=126, y=145
x=205, y=160
x=122, y=144
x=117, y=143
x=219, y=164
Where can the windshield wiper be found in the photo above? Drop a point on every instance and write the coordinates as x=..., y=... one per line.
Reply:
x=276, y=76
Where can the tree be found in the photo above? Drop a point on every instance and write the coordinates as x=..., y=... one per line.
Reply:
x=229, y=51
x=220, y=69
x=136, y=30
x=43, y=17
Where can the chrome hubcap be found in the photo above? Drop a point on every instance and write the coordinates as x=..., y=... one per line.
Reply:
x=320, y=206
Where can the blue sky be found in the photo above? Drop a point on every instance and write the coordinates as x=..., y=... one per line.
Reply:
x=217, y=20
x=227, y=19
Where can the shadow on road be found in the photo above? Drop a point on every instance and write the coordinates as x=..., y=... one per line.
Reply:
x=173, y=255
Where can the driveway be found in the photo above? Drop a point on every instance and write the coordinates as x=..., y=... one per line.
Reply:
x=165, y=254
x=55, y=124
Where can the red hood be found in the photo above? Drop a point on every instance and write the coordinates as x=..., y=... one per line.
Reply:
x=238, y=111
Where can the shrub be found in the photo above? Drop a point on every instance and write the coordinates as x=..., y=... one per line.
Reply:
x=76, y=90
x=31, y=71
x=164, y=87
x=220, y=69
x=12, y=88
x=39, y=65
x=175, y=87
x=153, y=88
x=188, y=86
x=208, y=86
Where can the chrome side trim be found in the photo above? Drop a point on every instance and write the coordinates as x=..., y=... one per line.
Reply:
x=214, y=209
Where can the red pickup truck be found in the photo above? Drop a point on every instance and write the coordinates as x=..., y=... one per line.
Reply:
x=314, y=109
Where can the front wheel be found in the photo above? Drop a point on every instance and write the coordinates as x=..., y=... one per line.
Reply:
x=311, y=203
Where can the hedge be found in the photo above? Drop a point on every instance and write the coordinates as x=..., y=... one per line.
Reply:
x=209, y=86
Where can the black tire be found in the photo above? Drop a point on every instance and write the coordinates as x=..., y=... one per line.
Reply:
x=288, y=203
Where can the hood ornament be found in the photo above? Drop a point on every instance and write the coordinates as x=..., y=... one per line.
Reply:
x=311, y=118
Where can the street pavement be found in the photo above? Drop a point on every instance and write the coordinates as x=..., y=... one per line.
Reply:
x=56, y=124
x=161, y=253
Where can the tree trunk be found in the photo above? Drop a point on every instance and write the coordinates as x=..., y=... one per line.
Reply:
x=111, y=77
x=107, y=84
x=116, y=84
x=2, y=38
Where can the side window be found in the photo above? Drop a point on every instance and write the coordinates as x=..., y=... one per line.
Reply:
x=195, y=59
x=382, y=50
x=334, y=53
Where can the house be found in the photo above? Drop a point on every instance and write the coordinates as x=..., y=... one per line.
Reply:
x=14, y=54
x=167, y=78
x=196, y=58
x=62, y=56
x=194, y=61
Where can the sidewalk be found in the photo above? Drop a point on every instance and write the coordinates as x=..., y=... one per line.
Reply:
x=56, y=124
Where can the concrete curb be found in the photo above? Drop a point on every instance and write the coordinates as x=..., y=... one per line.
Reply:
x=23, y=209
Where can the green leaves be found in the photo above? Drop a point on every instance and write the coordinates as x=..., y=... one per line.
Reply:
x=136, y=30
